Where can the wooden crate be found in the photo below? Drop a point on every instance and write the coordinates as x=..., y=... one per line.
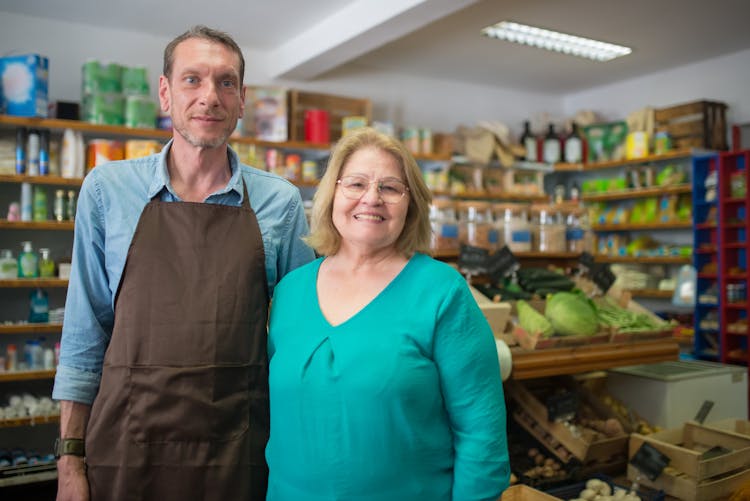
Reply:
x=690, y=476
x=699, y=124
x=525, y=493
x=732, y=425
x=530, y=407
x=337, y=107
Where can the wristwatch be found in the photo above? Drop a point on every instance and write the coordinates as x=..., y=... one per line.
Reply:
x=71, y=446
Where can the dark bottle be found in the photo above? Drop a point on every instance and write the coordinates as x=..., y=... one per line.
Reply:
x=551, y=150
x=529, y=142
x=43, y=152
x=21, y=150
x=574, y=146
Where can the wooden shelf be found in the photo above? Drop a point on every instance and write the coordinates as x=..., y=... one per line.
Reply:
x=30, y=328
x=655, y=191
x=29, y=421
x=529, y=364
x=453, y=254
x=483, y=195
x=644, y=226
x=50, y=180
x=600, y=258
x=36, y=225
x=672, y=155
x=651, y=293
x=118, y=131
x=21, y=283
x=26, y=375
x=29, y=478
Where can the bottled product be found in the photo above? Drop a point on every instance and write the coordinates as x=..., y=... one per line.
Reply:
x=49, y=359
x=578, y=234
x=44, y=152
x=8, y=265
x=575, y=192
x=46, y=265
x=529, y=142
x=475, y=225
x=70, y=206
x=12, y=357
x=27, y=202
x=444, y=225
x=574, y=146
x=28, y=262
x=549, y=230
x=59, y=206
x=517, y=233
x=40, y=204
x=38, y=312
x=21, y=150
x=32, y=153
x=551, y=150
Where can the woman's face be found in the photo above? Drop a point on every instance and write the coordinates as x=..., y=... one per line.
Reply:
x=369, y=223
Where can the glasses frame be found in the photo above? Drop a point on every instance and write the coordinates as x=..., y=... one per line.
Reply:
x=379, y=187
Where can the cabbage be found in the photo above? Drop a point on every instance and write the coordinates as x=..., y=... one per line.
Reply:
x=532, y=321
x=571, y=314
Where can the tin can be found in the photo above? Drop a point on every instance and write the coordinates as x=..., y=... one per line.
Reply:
x=309, y=170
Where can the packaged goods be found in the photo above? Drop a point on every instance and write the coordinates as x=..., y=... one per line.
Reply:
x=24, y=85
x=444, y=225
x=549, y=229
x=516, y=228
x=475, y=225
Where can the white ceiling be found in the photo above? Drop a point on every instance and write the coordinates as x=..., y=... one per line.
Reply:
x=304, y=39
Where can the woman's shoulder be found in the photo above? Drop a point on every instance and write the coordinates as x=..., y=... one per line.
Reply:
x=299, y=275
x=438, y=270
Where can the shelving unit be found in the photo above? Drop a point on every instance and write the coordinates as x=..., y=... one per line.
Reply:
x=734, y=249
x=706, y=321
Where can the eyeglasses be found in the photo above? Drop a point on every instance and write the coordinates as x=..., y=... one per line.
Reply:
x=391, y=191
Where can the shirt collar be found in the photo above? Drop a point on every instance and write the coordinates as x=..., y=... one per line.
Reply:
x=161, y=176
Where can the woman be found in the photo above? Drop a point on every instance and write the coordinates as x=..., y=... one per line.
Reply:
x=384, y=376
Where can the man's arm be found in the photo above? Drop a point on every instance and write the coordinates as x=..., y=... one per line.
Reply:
x=71, y=470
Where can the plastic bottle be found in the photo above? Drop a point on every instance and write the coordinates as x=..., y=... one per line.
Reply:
x=44, y=152
x=28, y=262
x=12, y=355
x=21, y=150
x=32, y=153
x=40, y=204
x=70, y=206
x=49, y=359
x=8, y=265
x=27, y=202
x=69, y=154
x=38, y=309
x=46, y=265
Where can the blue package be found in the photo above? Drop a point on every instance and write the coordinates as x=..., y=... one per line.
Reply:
x=25, y=85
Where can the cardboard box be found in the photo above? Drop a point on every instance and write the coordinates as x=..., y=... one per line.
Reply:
x=693, y=475
x=265, y=115
x=24, y=85
x=497, y=314
x=525, y=493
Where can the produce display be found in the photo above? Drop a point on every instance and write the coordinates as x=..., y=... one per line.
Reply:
x=599, y=490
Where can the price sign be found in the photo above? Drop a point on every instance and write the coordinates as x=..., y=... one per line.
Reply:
x=501, y=264
x=649, y=461
x=562, y=406
x=587, y=261
x=473, y=259
x=703, y=411
x=603, y=277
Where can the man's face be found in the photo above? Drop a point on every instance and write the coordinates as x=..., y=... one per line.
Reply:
x=203, y=96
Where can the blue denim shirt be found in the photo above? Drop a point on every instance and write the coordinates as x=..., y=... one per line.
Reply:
x=109, y=206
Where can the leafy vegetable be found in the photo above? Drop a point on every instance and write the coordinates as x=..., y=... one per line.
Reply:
x=571, y=314
x=532, y=321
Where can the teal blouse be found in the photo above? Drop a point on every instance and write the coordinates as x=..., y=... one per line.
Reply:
x=403, y=401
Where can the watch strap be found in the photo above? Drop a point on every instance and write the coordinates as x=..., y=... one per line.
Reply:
x=69, y=446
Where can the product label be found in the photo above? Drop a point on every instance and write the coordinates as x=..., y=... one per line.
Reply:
x=530, y=144
x=449, y=231
x=573, y=150
x=551, y=151
x=521, y=236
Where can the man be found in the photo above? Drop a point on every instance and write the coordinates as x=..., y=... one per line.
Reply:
x=163, y=370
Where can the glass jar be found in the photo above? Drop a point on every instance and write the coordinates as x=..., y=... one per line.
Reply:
x=515, y=225
x=475, y=225
x=444, y=225
x=578, y=234
x=548, y=229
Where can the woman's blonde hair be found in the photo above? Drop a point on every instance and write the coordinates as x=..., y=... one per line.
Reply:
x=415, y=237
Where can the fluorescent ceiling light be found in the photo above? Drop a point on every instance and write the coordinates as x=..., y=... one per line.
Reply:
x=555, y=41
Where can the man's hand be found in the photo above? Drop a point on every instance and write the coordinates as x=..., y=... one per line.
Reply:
x=72, y=484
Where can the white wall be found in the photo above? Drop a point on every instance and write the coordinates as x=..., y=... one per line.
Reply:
x=725, y=79
x=404, y=100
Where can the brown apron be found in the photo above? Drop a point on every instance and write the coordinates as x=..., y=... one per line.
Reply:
x=182, y=410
